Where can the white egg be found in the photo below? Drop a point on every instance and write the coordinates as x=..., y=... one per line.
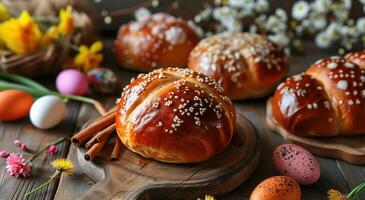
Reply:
x=47, y=112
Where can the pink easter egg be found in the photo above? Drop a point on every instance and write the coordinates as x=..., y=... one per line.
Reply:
x=72, y=82
x=296, y=162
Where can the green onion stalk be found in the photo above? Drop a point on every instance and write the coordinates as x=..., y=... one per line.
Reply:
x=13, y=81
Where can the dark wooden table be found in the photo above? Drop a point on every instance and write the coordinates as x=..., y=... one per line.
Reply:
x=335, y=173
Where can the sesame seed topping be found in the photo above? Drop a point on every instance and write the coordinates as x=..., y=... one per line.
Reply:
x=349, y=65
x=332, y=65
x=342, y=85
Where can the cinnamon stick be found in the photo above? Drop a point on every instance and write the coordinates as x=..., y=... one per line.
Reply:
x=101, y=136
x=95, y=150
x=84, y=135
x=100, y=108
x=116, y=150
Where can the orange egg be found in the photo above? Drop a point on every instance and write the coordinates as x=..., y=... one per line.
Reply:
x=277, y=188
x=14, y=104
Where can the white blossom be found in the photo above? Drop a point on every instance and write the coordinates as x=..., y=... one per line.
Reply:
x=223, y=13
x=360, y=25
x=141, y=13
x=323, y=40
x=280, y=39
x=261, y=6
x=275, y=24
x=203, y=15
x=347, y=4
x=318, y=20
x=198, y=30
x=281, y=14
x=238, y=3
x=300, y=10
x=341, y=12
x=322, y=6
x=333, y=30
x=232, y=24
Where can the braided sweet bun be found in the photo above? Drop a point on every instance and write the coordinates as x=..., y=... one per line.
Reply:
x=247, y=65
x=159, y=40
x=175, y=115
x=326, y=100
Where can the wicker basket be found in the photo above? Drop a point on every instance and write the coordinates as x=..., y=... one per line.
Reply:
x=51, y=59
x=45, y=61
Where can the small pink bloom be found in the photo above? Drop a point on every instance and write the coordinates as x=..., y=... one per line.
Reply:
x=16, y=166
x=23, y=147
x=52, y=149
x=4, y=153
x=17, y=143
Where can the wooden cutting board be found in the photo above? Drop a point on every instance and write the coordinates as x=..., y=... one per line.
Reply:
x=133, y=177
x=348, y=148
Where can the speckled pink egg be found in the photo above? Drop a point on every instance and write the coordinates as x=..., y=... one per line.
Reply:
x=72, y=81
x=296, y=162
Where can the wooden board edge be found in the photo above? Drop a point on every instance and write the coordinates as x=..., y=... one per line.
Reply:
x=331, y=151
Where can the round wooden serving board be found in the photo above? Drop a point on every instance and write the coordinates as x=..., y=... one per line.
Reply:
x=133, y=177
x=348, y=148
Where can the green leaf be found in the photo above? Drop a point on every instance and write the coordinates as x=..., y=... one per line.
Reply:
x=23, y=80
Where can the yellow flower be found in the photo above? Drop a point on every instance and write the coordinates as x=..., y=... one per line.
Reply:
x=63, y=165
x=51, y=35
x=88, y=58
x=208, y=197
x=335, y=195
x=21, y=35
x=3, y=12
x=67, y=22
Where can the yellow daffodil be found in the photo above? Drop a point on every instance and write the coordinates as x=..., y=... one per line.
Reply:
x=63, y=165
x=21, y=35
x=4, y=15
x=67, y=22
x=335, y=195
x=89, y=58
x=51, y=35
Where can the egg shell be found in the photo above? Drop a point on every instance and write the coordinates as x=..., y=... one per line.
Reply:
x=14, y=104
x=296, y=162
x=277, y=188
x=72, y=81
x=47, y=112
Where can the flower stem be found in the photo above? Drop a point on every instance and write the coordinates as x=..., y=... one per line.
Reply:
x=356, y=191
x=45, y=148
x=54, y=176
x=4, y=85
x=42, y=19
x=68, y=45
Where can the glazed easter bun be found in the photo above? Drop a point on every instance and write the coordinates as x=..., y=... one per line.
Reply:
x=247, y=65
x=175, y=115
x=159, y=40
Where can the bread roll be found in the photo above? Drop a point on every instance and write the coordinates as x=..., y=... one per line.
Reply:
x=175, y=115
x=160, y=40
x=247, y=65
x=327, y=100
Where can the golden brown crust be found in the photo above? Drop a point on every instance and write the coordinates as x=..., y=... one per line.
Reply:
x=247, y=65
x=328, y=100
x=155, y=42
x=175, y=115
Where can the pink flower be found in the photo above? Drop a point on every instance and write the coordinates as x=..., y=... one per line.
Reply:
x=16, y=166
x=17, y=143
x=52, y=149
x=4, y=153
x=23, y=147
